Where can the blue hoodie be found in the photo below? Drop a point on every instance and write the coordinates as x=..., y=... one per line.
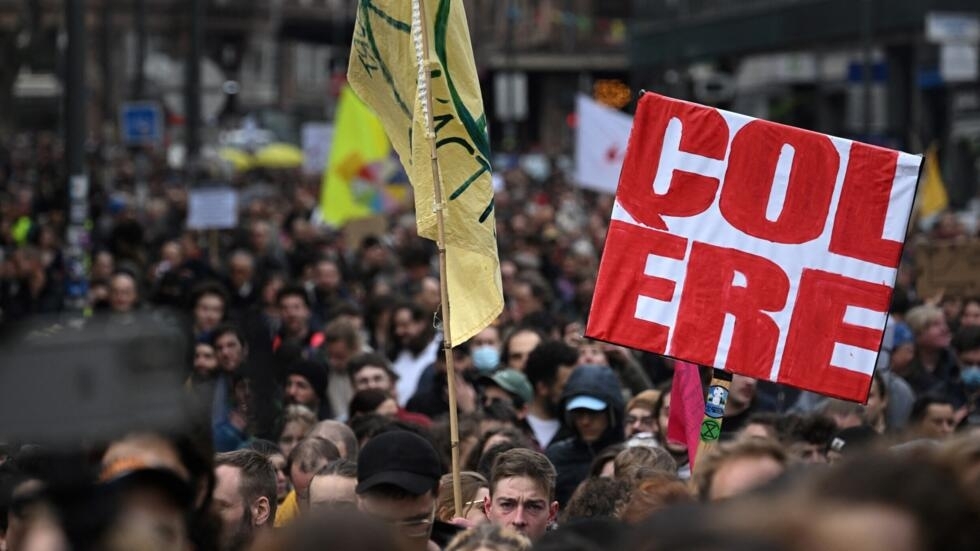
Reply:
x=572, y=457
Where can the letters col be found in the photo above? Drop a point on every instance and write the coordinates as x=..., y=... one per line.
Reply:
x=758, y=248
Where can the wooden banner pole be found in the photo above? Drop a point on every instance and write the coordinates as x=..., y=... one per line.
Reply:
x=438, y=206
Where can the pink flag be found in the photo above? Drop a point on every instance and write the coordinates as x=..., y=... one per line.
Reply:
x=686, y=408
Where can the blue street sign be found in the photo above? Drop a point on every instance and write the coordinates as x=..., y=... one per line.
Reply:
x=141, y=123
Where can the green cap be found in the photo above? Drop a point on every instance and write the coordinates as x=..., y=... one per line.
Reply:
x=514, y=382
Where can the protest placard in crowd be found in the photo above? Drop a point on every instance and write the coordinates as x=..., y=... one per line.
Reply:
x=950, y=268
x=753, y=247
x=212, y=208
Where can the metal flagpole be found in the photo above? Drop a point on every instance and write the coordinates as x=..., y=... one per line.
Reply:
x=421, y=38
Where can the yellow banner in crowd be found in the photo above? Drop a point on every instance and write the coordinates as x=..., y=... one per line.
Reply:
x=359, y=140
x=932, y=197
x=384, y=72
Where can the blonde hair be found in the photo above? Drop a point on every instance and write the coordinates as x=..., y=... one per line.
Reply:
x=296, y=413
x=489, y=536
x=637, y=459
x=470, y=483
x=919, y=318
x=646, y=400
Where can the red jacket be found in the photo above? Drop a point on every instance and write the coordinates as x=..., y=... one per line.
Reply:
x=414, y=418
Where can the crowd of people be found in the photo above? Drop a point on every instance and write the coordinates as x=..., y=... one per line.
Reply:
x=317, y=366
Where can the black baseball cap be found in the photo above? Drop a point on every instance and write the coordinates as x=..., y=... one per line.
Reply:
x=398, y=458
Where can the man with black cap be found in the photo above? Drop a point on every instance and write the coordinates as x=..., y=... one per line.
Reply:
x=306, y=385
x=397, y=482
x=151, y=486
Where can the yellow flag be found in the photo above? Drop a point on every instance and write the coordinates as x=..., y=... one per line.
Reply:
x=358, y=140
x=384, y=71
x=932, y=197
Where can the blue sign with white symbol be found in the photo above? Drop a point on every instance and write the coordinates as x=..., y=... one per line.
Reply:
x=141, y=123
x=714, y=404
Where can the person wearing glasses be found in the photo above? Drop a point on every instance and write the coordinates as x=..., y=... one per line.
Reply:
x=473, y=488
x=640, y=419
x=398, y=476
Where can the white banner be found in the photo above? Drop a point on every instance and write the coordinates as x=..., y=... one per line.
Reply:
x=317, y=137
x=600, y=144
x=212, y=208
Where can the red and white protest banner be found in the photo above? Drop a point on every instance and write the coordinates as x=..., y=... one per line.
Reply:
x=753, y=247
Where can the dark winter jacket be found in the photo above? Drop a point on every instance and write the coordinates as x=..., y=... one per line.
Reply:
x=943, y=381
x=572, y=457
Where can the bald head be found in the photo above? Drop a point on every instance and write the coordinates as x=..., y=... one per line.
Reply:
x=340, y=435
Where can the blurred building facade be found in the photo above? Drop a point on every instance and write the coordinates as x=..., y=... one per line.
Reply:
x=278, y=58
x=534, y=56
x=802, y=62
x=284, y=60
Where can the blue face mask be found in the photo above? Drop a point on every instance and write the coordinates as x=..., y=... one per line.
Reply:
x=970, y=375
x=486, y=358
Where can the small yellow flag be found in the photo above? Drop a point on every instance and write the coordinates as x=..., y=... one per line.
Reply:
x=384, y=71
x=358, y=140
x=932, y=197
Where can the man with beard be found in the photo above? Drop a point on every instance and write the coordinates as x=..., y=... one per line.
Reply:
x=327, y=290
x=205, y=364
x=242, y=281
x=231, y=351
x=229, y=347
x=548, y=367
x=244, y=497
x=372, y=371
x=417, y=346
x=296, y=331
x=341, y=342
x=306, y=385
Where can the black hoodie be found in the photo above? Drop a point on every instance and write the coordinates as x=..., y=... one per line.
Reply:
x=572, y=457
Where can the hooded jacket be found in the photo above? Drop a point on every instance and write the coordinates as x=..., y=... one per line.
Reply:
x=572, y=457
